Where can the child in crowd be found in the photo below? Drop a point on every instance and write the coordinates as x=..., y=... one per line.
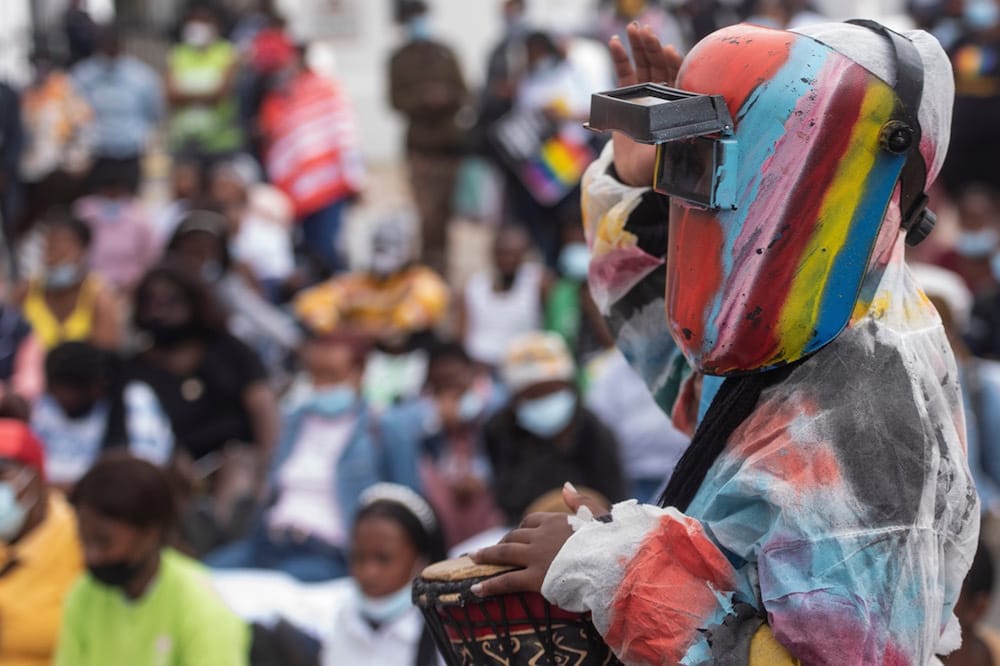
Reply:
x=124, y=240
x=85, y=409
x=395, y=536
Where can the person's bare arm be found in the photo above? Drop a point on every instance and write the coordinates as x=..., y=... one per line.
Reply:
x=262, y=407
x=107, y=327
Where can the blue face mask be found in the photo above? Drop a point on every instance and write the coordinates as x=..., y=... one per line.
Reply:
x=981, y=15
x=63, y=276
x=333, y=400
x=419, y=28
x=976, y=244
x=574, y=261
x=384, y=609
x=111, y=209
x=995, y=266
x=13, y=513
x=549, y=415
x=470, y=406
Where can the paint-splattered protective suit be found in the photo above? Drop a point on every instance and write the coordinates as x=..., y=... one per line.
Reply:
x=841, y=511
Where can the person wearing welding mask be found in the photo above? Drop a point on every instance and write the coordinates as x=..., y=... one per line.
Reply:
x=824, y=512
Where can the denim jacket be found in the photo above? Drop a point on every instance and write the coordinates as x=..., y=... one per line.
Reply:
x=366, y=459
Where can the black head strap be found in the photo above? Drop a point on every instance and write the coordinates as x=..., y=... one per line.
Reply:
x=903, y=136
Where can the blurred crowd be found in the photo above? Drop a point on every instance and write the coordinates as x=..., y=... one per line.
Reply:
x=215, y=379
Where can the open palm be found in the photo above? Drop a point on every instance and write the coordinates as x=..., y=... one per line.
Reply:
x=654, y=63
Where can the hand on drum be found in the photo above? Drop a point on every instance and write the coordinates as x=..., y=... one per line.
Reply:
x=654, y=63
x=532, y=546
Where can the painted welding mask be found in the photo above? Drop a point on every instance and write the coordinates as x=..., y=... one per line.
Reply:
x=777, y=197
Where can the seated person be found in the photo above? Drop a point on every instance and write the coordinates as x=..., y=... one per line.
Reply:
x=327, y=456
x=442, y=432
x=395, y=536
x=396, y=302
x=69, y=301
x=85, y=410
x=141, y=602
x=200, y=245
x=215, y=392
x=21, y=355
x=40, y=557
x=124, y=239
x=545, y=436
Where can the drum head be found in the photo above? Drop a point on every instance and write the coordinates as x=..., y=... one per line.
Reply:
x=462, y=568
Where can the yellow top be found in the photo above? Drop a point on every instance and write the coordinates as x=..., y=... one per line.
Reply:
x=414, y=299
x=35, y=576
x=79, y=325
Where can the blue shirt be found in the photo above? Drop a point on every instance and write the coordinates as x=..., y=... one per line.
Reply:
x=127, y=99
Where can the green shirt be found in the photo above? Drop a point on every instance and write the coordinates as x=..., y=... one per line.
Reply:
x=180, y=621
x=208, y=128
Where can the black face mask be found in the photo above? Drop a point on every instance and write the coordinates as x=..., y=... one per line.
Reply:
x=79, y=411
x=507, y=281
x=170, y=335
x=116, y=574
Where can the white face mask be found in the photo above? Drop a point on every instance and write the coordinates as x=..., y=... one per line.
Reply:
x=198, y=34
x=384, y=609
x=13, y=512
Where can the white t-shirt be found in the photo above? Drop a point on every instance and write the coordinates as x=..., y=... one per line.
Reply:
x=307, y=499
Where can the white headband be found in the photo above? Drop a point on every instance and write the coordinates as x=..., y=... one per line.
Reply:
x=407, y=498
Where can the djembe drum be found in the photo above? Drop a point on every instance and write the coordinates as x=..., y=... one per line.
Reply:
x=514, y=629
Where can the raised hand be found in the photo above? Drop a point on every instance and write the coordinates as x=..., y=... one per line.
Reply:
x=654, y=63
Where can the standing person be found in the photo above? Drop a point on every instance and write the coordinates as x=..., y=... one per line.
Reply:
x=141, y=601
x=69, y=301
x=312, y=153
x=201, y=78
x=40, y=557
x=58, y=125
x=617, y=14
x=501, y=304
x=426, y=87
x=975, y=137
x=127, y=101
x=824, y=508
x=81, y=31
x=545, y=436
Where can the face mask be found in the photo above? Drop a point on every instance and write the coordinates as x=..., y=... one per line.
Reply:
x=549, y=415
x=981, y=15
x=198, y=34
x=384, y=609
x=419, y=28
x=574, y=261
x=333, y=400
x=470, y=406
x=115, y=574
x=545, y=64
x=976, y=244
x=995, y=266
x=168, y=335
x=13, y=513
x=516, y=25
x=211, y=271
x=111, y=209
x=388, y=262
x=63, y=276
